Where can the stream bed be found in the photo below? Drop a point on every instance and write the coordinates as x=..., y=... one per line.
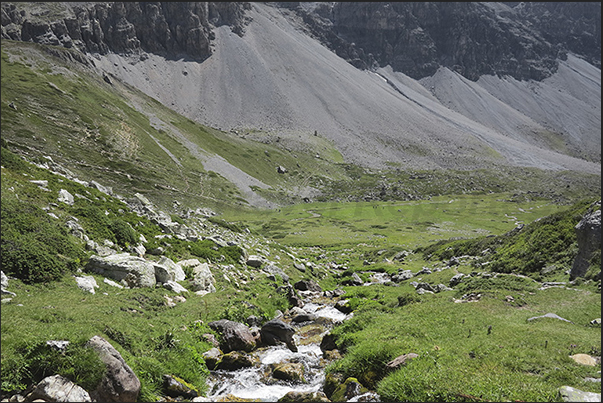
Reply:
x=258, y=383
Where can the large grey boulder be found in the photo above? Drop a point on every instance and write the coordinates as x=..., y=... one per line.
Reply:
x=276, y=331
x=588, y=233
x=235, y=335
x=134, y=270
x=166, y=270
x=202, y=281
x=58, y=389
x=119, y=384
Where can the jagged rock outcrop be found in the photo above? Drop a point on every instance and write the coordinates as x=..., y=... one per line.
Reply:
x=588, y=234
x=171, y=29
x=519, y=39
x=522, y=40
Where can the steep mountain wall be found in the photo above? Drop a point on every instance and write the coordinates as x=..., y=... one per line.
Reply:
x=171, y=29
x=522, y=40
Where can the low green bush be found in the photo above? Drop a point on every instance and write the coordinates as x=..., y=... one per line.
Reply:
x=33, y=362
x=124, y=234
x=35, y=247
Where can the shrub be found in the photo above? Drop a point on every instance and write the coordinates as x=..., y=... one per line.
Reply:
x=123, y=232
x=33, y=362
x=34, y=247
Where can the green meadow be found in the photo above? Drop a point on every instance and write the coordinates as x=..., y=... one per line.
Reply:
x=406, y=224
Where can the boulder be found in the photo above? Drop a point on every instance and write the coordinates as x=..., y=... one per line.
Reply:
x=65, y=197
x=136, y=271
x=348, y=390
x=112, y=283
x=235, y=335
x=276, y=331
x=58, y=389
x=119, y=384
x=212, y=357
x=202, y=280
x=584, y=359
x=86, y=283
x=254, y=261
x=237, y=360
x=176, y=387
x=456, y=279
x=289, y=371
x=4, y=281
x=402, y=276
x=588, y=234
x=174, y=286
x=343, y=306
x=307, y=285
x=569, y=394
x=312, y=397
x=328, y=343
x=166, y=270
x=354, y=281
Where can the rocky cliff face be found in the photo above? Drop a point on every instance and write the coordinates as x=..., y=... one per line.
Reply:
x=522, y=40
x=171, y=29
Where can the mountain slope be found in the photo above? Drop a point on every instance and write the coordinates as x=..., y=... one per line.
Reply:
x=277, y=78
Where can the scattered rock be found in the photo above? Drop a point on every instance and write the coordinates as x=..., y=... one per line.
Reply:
x=235, y=335
x=58, y=389
x=86, y=283
x=584, y=359
x=119, y=384
x=275, y=331
x=569, y=394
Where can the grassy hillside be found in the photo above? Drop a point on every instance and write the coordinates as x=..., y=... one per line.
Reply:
x=59, y=114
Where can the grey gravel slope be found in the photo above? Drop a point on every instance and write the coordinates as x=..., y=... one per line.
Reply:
x=278, y=79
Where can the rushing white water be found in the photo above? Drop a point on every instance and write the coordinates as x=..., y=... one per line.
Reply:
x=258, y=383
x=252, y=383
x=325, y=311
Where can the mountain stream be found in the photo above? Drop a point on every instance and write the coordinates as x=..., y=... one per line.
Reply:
x=257, y=384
